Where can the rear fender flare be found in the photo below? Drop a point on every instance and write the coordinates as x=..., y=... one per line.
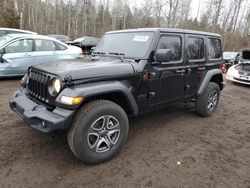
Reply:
x=209, y=75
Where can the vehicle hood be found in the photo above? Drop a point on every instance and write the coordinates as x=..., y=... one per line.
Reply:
x=86, y=68
x=74, y=43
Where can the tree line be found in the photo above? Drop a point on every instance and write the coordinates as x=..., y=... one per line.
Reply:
x=77, y=18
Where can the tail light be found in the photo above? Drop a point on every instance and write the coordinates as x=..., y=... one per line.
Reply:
x=81, y=54
x=223, y=68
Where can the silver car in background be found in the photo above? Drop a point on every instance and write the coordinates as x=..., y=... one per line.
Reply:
x=6, y=31
x=19, y=51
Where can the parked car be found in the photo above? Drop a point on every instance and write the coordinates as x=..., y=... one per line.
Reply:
x=146, y=70
x=62, y=38
x=85, y=43
x=5, y=31
x=241, y=72
x=19, y=51
x=229, y=59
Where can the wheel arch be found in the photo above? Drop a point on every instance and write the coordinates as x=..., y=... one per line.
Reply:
x=211, y=76
x=115, y=91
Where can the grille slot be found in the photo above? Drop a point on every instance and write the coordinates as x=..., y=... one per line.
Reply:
x=38, y=85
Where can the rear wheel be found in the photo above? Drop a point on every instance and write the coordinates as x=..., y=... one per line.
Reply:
x=98, y=132
x=207, y=103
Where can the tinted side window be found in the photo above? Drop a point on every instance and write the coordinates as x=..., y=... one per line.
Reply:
x=195, y=48
x=19, y=46
x=173, y=43
x=214, y=48
x=45, y=45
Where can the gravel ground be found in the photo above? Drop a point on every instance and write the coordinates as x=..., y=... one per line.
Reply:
x=168, y=148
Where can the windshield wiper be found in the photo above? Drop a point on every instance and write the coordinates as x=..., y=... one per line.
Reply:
x=99, y=53
x=121, y=55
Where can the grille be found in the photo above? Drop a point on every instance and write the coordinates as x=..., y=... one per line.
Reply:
x=244, y=73
x=247, y=81
x=38, y=85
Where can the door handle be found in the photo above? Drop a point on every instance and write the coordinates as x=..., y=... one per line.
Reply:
x=27, y=54
x=202, y=68
x=181, y=71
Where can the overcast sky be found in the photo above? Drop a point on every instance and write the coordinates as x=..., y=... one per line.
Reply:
x=194, y=5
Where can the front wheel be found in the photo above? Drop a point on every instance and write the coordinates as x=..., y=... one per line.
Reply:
x=207, y=103
x=99, y=130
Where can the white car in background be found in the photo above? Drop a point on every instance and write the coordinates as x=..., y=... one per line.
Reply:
x=240, y=73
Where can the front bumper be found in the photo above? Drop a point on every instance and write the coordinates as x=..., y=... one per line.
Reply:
x=37, y=116
x=238, y=80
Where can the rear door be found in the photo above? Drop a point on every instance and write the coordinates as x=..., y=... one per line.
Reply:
x=195, y=60
x=167, y=80
x=45, y=50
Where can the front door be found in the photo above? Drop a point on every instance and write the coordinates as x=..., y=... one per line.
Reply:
x=167, y=79
x=19, y=56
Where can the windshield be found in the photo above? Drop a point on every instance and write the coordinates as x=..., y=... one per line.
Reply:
x=80, y=39
x=134, y=45
x=4, y=40
x=229, y=55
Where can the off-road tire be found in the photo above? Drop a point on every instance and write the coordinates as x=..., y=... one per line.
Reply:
x=78, y=133
x=201, y=104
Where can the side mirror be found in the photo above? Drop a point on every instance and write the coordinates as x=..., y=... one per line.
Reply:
x=92, y=49
x=2, y=51
x=163, y=55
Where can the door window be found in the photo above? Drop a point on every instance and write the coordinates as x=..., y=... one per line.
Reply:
x=45, y=45
x=19, y=46
x=173, y=43
x=195, y=48
x=60, y=46
x=214, y=48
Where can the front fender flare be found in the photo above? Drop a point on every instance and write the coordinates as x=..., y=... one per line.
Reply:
x=100, y=88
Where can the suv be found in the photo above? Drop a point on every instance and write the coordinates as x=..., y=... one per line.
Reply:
x=130, y=72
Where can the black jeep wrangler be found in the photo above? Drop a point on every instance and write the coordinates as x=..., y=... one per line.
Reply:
x=130, y=72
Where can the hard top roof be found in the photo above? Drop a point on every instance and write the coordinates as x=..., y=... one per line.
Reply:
x=169, y=30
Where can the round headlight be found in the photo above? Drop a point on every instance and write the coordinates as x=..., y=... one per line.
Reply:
x=54, y=86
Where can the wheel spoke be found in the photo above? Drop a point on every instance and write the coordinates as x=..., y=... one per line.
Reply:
x=112, y=123
x=113, y=135
x=98, y=124
x=93, y=139
x=102, y=145
x=212, y=100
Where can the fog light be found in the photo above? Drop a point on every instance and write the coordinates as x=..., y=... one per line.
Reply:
x=71, y=100
x=44, y=124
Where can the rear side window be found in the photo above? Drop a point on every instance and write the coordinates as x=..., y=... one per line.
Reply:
x=45, y=45
x=195, y=48
x=173, y=43
x=214, y=48
x=60, y=46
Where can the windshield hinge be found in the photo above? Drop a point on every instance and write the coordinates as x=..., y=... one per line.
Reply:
x=68, y=81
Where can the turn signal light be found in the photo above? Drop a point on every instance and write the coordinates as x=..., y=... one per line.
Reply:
x=71, y=100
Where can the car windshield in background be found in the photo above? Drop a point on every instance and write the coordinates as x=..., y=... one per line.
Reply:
x=4, y=40
x=79, y=39
x=133, y=45
x=229, y=55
